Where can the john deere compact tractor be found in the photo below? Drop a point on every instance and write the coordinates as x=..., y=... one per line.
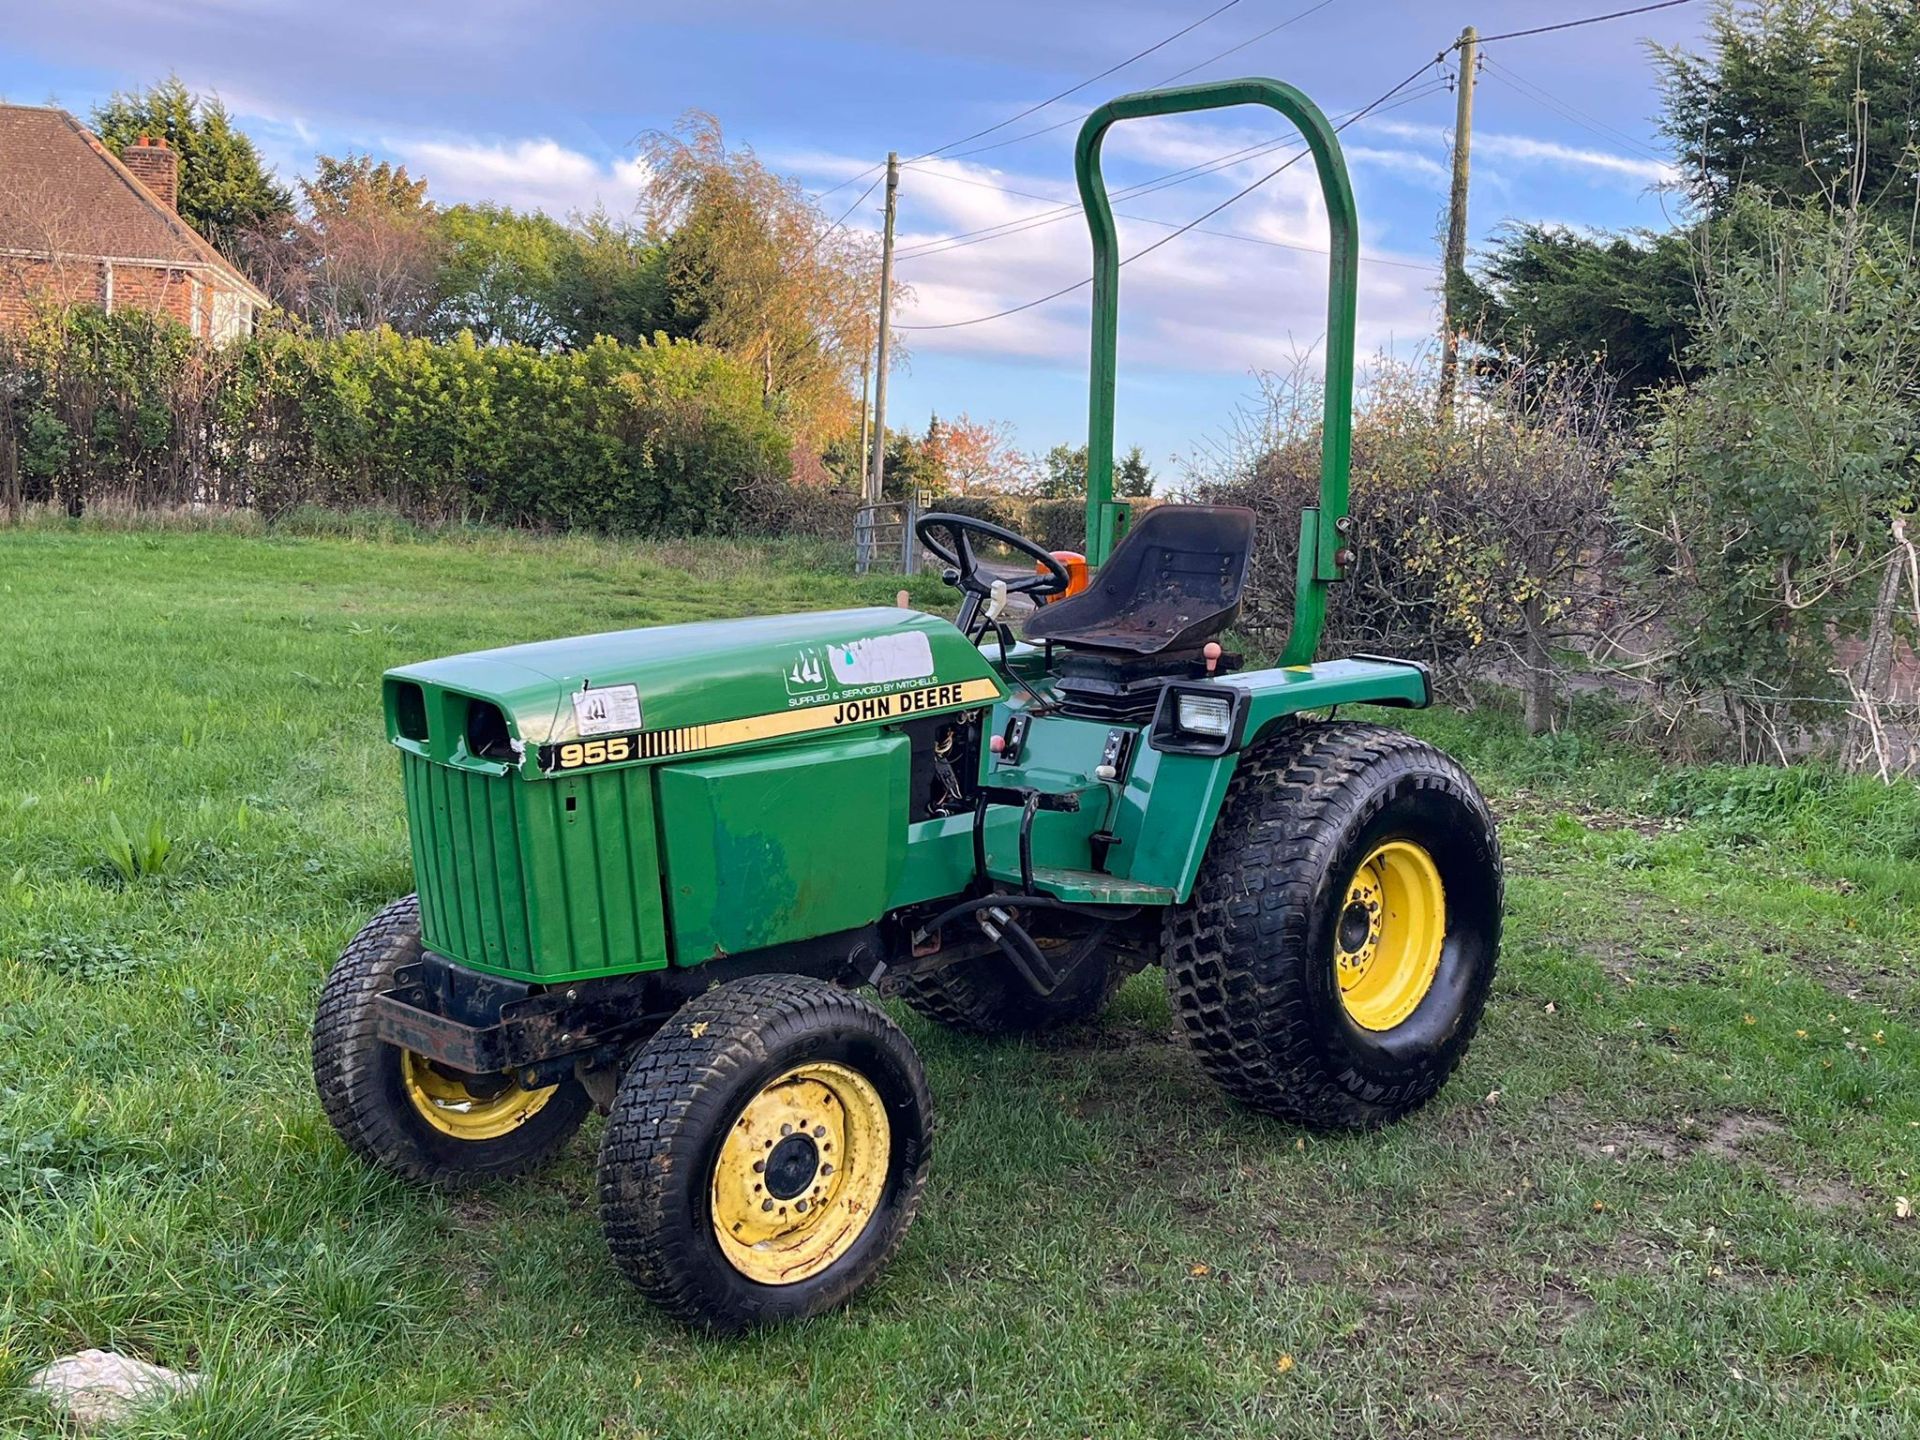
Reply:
x=657, y=868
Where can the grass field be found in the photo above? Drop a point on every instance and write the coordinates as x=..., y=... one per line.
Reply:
x=1663, y=1196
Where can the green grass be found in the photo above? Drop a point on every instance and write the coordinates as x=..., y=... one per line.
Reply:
x=1660, y=1198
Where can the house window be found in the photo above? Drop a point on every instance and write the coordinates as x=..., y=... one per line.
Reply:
x=232, y=316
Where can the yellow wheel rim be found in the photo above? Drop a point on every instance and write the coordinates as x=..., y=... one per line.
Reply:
x=1388, y=937
x=495, y=1106
x=801, y=1173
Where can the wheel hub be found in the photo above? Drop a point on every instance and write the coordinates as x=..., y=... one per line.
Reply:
x=800, y=1173
x=792, y=1166
x=1388, y=941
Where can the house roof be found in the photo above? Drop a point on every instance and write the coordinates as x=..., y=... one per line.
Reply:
x=63, y=192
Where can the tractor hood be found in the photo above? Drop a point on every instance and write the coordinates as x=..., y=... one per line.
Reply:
x=631, y=696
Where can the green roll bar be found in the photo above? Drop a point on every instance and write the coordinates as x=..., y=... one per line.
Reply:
x=1323, y=529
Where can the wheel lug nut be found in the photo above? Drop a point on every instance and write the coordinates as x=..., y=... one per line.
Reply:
x=766, y=1204
x=819, y=1132
x=826, y=1169
x=786, y=1129
x=801, y=1207
x=759, y=1166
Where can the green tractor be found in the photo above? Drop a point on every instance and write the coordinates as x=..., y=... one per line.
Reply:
x=656, y=868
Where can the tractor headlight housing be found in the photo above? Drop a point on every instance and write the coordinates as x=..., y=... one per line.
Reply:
x=1198, y=719
x=1205, y=715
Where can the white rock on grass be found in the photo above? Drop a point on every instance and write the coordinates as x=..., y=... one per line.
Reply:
x=98, y=1387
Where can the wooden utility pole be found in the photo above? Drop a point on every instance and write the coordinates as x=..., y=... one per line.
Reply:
x=1454, y=268
x=876, y=474
x=866, y=415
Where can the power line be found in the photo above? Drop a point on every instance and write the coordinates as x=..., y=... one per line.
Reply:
x=1071, y=89
x=1064, y=209
x=1254, y=40
x=1031, y=109
x=1529, y=91
x=1584, y=20
x=1164, y=80
x=1049, y=217
x=1295, y=158
x=821, y=238
x=1238, y=195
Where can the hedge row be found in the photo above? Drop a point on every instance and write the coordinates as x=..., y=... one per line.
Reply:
x=653, y=438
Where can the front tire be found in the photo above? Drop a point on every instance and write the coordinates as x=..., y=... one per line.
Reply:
x=1334, y=960
x=408, y=1114
x=765, y=1154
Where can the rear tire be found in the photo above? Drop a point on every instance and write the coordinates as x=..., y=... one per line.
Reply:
x=983, y=995
x=765, y=1154
x=405, y=1114
x=1330, y=836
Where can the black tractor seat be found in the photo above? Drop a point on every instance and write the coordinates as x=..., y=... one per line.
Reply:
x=1172, y=583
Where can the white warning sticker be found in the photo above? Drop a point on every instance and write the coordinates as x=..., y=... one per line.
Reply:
x=882, y=659
x=609, y=711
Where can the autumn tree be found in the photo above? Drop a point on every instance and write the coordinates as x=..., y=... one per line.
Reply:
x=754, y=268
x=225, y=190
x=367, y=251
x=967, y=455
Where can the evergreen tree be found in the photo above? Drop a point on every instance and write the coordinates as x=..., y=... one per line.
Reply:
x=224, y=189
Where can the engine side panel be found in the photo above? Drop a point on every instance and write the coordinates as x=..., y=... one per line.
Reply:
x=782, y=845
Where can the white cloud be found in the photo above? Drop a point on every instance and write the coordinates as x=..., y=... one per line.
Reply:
x=1206, y=302
x=1531, y=150
x=527, y=174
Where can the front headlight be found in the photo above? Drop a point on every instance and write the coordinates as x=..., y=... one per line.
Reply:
x=1209, y=715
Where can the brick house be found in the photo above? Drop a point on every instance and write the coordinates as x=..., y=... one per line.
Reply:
x=80, y=225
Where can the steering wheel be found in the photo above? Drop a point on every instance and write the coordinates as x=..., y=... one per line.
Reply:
x=963, y=566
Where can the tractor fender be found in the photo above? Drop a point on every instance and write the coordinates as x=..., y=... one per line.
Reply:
x=1173, y=794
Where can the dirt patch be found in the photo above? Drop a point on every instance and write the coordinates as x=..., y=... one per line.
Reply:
x=1630, y=1142
x=474, y=1212
x=1891, y=989
x=1733, y=1138
x=1730, y=1134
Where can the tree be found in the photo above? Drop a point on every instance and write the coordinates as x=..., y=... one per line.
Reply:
x=1132, y=478
x=1800, y=100
x=1796, y=100
x=1625, y=302
x=225, y=191
x=613, y=282
x=753, y=267
x=968, y=455
x=1773, y=505
x=367, y=253
x=502, y=276
x=1063, y=474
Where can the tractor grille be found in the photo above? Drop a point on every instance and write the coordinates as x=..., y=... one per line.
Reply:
x=537, y=879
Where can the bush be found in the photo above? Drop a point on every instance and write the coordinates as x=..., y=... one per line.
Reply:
x=1483, y=542
x=1774, y=506
x=658, y=438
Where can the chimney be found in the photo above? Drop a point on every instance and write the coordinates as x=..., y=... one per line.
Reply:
x=155, y=166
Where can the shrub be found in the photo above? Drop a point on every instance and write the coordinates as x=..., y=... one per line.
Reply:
x=664, y=437
x=1483, y=543
x=1774, y=506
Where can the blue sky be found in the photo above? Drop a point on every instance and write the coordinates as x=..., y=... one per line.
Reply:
x=539, y=104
